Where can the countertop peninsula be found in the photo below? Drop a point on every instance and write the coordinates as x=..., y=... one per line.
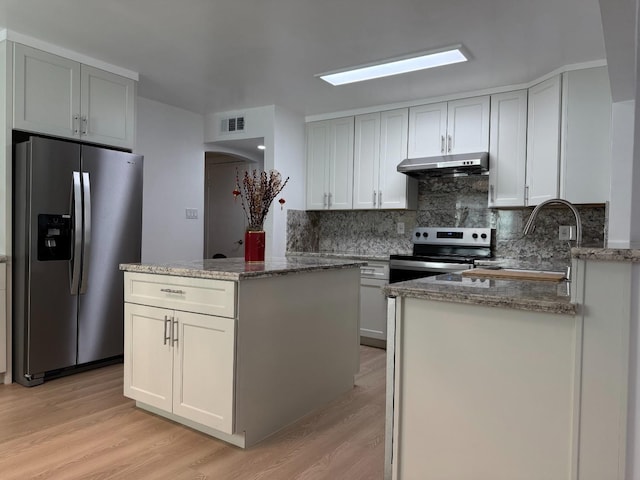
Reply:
x=237, y=269
x=536, y=296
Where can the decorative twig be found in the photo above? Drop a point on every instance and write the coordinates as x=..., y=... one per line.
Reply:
x=257, y=191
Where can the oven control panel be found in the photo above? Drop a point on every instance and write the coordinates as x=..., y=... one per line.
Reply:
x=480, y=237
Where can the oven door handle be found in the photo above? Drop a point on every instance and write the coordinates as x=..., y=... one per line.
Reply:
x=428, y=266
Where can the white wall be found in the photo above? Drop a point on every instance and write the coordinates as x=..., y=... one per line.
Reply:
x=171, y=140
x=289, y=160
x=622, y=128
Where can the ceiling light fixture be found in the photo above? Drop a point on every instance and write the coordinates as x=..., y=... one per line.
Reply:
x=261, y=147
x=397, y=65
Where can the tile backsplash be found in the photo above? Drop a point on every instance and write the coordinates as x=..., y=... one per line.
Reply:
x=444, y=202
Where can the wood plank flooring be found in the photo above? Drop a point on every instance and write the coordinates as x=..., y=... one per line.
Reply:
x=82, y=427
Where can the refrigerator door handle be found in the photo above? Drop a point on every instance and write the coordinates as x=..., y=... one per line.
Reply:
x=76, y=205
x=86, y=232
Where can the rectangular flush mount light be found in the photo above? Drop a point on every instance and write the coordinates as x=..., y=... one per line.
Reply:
x=397, y=65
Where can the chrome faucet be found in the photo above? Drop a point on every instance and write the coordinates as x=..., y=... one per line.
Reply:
x=530, y=225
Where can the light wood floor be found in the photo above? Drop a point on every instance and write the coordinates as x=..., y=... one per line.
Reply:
x=81, y=427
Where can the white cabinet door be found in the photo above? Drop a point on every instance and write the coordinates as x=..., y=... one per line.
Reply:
x=373, y=309
x=395, y=190
x=468, y=125
x=366, y=161
x=508, y=149
x=148, y=355
x=107, y=101
x=427, y=130
x=46, y=92
x=203, y=380
x=586, y=136
x=341, y=164
x=317, y=164
x=543, y=141
x=330, y=164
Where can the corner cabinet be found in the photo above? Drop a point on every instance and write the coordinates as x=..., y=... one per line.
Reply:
x=180, y=361
x=508, y=149
x=380, y=145
x=330, y=164
x=446, y=128
x=543, y=142
x=61, y=97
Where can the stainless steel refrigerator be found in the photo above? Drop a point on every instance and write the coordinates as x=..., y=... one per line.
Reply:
x=77, y=214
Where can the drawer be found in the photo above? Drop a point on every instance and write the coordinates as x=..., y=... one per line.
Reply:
x=198, y=295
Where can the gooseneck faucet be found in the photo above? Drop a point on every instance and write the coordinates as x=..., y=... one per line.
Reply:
x=530, y=225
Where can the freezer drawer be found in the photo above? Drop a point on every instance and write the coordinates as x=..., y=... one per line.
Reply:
x=198, y=295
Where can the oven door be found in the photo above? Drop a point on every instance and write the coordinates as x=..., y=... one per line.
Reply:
x=401, y=270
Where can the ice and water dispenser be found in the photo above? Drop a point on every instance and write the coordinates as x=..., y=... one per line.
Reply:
x=54, y=237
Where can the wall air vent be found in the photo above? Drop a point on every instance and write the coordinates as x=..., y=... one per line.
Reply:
x=233, y=124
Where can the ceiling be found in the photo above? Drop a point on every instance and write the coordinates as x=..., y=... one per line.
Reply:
x=217, y=55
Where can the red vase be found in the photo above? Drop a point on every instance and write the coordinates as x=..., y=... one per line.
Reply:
x=254, y=242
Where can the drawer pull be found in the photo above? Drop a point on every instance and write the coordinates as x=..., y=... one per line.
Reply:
x=171, y=290
x=167, y=321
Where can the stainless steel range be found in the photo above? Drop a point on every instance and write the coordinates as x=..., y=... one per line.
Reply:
x=438, y=250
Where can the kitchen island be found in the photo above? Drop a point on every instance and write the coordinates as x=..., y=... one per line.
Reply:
x=239, y=350
x=507, y=379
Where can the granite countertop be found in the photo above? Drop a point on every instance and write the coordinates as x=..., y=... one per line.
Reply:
x=348, y=255
x=4, y=258
x=607, y=254
x=537, y=296
x=238, y=269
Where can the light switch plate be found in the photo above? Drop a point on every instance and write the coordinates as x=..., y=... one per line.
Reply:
x=566, y=232
x=191, y=213
x=400, y=228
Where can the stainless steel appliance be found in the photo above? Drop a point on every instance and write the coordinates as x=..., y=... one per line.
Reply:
x=77, y=214
x=441, y=250
x=446, y=165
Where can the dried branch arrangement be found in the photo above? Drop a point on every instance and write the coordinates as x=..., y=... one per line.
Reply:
x=257, y=191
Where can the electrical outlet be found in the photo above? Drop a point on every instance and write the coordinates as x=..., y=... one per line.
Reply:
x=566, y=232
x=191, y=213
x=400, y=228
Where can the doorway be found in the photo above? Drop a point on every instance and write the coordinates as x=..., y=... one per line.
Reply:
x=224, y=220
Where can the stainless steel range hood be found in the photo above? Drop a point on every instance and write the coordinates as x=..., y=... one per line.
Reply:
x=446, y=165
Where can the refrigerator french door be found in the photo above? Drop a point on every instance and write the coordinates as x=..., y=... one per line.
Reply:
x=77, y=216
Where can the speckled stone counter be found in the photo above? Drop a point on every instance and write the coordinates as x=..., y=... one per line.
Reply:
x=537, y=296
x=371, y=257
x=4, y=259
x=607, y=254
x=238, y=269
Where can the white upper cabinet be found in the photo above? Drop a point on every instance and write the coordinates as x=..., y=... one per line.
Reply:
x=330, y=164
x=586, y=136
x=543, y=142
x=57, y=96
x=508, y=149
x=459, y=126
x=380, y=145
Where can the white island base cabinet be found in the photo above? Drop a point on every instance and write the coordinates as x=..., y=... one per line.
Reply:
x=277, y=348
x=484, y=393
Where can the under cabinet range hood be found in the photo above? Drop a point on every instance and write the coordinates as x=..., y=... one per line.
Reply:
x=446, y=165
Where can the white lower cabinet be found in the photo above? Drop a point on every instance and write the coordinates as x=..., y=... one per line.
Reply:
x=181, y=362
x=373, y=304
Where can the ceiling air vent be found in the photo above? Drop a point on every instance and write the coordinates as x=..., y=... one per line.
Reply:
x=233, y=124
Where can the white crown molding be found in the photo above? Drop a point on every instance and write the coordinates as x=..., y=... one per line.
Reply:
x=63, y=52
x=445, y=98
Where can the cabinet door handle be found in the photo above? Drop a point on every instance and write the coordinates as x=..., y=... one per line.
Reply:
x=491, y=197
x=449, y=141
x=171, y=290
x=324, y=202
x=441, y=143
x=76, y=124
x=380, y=198
x=374, y=198
x=329, y=203
x=526, y=195
x=174, y=332
x=167, y=320
x=84, y=122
